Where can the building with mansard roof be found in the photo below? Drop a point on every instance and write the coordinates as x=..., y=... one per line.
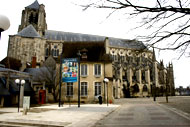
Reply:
x=132, y=68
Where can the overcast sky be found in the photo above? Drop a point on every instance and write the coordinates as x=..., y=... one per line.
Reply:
x=65, y=15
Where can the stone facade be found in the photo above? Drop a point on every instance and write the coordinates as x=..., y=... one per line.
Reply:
x=134, y=70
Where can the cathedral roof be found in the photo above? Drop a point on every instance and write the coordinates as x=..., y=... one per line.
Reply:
x=78, y=37
x=34, y=5
x=28, y=31
x=72, y=37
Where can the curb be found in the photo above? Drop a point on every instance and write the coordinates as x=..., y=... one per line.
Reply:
x=22, y=122
x=179, y=112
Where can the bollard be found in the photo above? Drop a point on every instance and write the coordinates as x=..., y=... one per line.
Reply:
x=25, y=111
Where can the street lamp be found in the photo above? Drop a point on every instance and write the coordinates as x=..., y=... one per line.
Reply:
x=4, y=24
x=19, y=83
x=106, y=81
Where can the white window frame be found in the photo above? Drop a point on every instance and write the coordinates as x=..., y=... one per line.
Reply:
x=84, y=89
x=70, y=89
x=96, y=70
x=97, y=88
x=84, y=70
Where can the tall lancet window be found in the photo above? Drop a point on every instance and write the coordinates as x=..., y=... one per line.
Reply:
x=47, y=52
x=55, y=51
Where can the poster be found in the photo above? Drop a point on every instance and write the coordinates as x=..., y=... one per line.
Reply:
x=26, y=102
x=69, y=70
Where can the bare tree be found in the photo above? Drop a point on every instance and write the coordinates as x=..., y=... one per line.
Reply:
x=168, y=21
x=48, y=74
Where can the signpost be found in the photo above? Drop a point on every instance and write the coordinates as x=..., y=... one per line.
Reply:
x=70, y=71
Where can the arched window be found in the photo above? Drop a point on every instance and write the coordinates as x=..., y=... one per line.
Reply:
x=143, y=75
x=47, y=52
x=52, y=52
x=135, y=88
x=134, y=78
x=36, y=19
x=55, y=51
x=31, y=18
x=145, y=89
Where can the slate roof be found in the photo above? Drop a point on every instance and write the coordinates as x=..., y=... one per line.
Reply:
x=72, y=37
x=13, y=73
x=132, y=44
x=29, y=31
x=78, y=37
x=38, y=74
x=34, y=5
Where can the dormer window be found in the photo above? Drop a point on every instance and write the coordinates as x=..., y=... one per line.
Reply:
x=84, y=54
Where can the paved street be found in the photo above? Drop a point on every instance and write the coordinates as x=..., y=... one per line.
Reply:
x=143, y=112
x=134, y=112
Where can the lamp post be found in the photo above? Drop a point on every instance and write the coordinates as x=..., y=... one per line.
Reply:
x=19, y=83
x=154, y=92
x=106, y=81
x=4, y=24
x=79, y=54
x=167, y=93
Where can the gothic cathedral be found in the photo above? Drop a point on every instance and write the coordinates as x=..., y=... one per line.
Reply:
x=135, y=70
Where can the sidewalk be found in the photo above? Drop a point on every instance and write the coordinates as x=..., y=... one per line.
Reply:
x=53, y=116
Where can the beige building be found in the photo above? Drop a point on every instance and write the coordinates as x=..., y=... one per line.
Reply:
x=132, y=69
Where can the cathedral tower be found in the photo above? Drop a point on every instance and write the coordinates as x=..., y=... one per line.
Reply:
x=35, y=15
x=171, y=79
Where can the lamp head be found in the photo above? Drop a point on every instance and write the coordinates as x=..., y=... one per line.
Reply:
x=106, y=80
x=17, y=81
x=22, y=81
x=4, y=23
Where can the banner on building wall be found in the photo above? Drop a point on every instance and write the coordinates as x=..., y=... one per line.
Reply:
x=69, y=70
